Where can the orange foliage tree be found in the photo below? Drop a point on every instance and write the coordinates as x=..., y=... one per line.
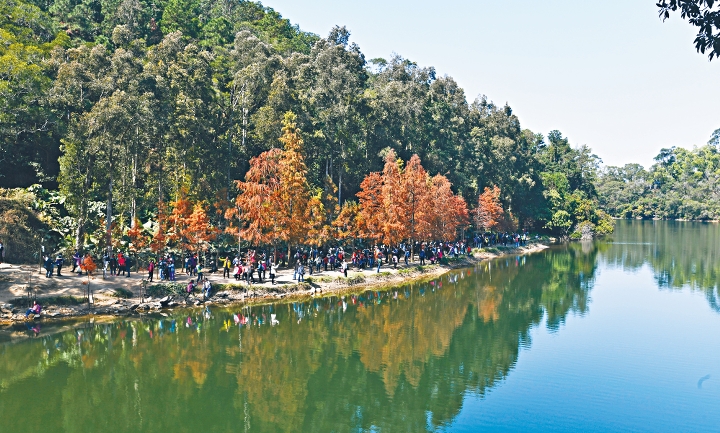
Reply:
x=346, y=224
x=371, y=211
x=198, y=231
x=257, y=205
x=489, y=212
x=394, y=229
x=415, y=203
x=159, y=238
x=274, y=201
x=406, y=204
x=177, y=220
x=295, y=190
x=137, y=235
x=449, y=212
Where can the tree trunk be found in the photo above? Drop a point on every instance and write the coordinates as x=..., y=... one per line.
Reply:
x=108, y=217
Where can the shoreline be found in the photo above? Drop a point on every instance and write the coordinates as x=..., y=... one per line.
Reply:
x=242, y=294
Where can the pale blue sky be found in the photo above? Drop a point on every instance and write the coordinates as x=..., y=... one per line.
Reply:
x=608, y=73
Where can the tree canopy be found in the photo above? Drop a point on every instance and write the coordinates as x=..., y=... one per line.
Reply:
x=129, y=108
x=703, y=14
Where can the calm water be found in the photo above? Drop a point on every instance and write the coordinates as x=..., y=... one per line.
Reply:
x=620, y=335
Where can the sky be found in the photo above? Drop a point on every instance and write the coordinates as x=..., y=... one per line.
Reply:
x=609, y=74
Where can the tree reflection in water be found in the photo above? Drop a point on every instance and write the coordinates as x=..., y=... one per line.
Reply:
x=681, y=254
x=392, y=360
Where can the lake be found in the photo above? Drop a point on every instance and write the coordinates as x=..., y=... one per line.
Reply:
x=614, y=335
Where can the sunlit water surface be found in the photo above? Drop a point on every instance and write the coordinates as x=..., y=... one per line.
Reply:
x=618, y=335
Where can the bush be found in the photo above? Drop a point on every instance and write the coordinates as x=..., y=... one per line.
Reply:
x=122, y=293
x=21, y=229
x=166, y=289
x=50, y=300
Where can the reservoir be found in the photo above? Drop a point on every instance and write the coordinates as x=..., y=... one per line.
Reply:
x=619, y=335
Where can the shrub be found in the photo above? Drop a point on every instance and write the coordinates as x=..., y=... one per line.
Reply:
x=165, y=289
x=21, y=229
x=123, y=293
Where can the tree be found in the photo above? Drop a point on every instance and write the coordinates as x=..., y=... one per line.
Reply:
x=489, y=211
x=371, y=211
x=258, y=204
x=294, y=187
x=393, y=225
x=448, y=212
x=346, y=224
x=198, y=231
x=274, y=201
x=703, y=14
x=416, y=202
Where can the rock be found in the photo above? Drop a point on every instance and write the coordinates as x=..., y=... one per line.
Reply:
x=134, y=307
x=165, y=301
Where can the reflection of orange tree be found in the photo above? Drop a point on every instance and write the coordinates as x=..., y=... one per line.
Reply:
x=400, y=339
x=275, y=370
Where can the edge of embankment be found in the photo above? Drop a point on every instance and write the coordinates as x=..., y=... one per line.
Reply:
x=243, y=295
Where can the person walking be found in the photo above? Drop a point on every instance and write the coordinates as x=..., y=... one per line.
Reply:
x=273, y=272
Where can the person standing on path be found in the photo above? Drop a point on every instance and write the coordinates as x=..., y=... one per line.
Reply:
x=121, y=264
x=151, y=270
x=273, y=272
x=226, y=266
x=59, y=263
x=301, y=272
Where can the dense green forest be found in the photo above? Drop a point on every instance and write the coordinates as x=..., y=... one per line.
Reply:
x=682, y=184
x=115, y=106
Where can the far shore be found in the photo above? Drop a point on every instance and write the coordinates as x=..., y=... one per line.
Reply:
x=63, y=297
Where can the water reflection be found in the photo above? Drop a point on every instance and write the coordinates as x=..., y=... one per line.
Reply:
x=395, y=360
x=681, y=254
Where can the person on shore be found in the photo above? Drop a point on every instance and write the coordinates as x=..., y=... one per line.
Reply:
x=59, y=263
x=295, y=271
x=2, y=252
x=237, y=271
x=36, y=310
x=207, y=289
x=345, y=268
x=422, y=256
x=121, y=264
x=171, y=268
x=128, y=264
x=226, y=263
x=199, y=271
x=190, y=288
x=151, y=270
x=301, y=272
x=48, y=265
x=273, y=272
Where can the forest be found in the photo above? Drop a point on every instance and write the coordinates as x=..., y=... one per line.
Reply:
x=157, y=125
x=682, y=184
